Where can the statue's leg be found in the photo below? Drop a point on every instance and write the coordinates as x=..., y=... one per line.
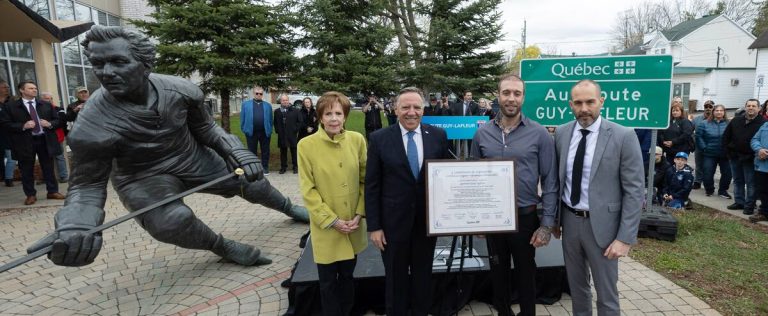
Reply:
x=261, y=192
x=264, y=193
x=176, y=224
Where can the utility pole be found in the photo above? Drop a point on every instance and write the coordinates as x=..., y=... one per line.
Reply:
x=626, y=29
x=718, y=57
x=523, y=39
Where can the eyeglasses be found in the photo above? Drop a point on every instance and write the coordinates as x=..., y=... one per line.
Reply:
x=258, y=93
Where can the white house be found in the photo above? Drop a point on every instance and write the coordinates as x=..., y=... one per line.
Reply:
x=760, y=45
x=712, y=57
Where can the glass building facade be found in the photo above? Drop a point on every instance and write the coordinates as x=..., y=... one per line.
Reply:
x=17, y=62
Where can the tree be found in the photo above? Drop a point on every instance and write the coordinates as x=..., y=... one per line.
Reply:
x=350, y=41
x=761, y=21
x=446, y=43
x=647, y=16
x=513, y=66
x=230, y=44
x=743, y=12
x=719, y=8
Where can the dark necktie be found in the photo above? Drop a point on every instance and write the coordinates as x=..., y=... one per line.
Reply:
x=413, y=155
x=33, y=113
x=578, y=165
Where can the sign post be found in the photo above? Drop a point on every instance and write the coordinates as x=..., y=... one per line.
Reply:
x=637, y=89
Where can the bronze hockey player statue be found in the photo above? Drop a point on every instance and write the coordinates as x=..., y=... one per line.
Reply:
x=153, y=137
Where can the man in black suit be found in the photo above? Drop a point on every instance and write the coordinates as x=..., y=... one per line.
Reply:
x=31, y=126
x=287, y=123
x=395, y=203
x=466, y=107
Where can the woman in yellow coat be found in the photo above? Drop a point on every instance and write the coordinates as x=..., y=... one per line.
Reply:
x=331, y=177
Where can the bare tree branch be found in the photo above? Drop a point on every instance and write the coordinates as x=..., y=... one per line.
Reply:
x=648, y=16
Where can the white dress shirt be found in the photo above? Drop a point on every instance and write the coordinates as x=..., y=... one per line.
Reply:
x=417, y=139
x=594, y=130
x=26, y=104
x=34, y=104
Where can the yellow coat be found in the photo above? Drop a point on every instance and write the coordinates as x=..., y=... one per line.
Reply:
x=331, y=178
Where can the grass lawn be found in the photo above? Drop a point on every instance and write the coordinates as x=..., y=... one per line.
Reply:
x=356, y=122
x=718, y=257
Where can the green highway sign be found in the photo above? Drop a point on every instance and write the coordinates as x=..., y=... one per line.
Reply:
x=637, y=89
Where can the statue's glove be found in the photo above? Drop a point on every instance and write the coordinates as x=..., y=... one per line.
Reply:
x=72, y=246
x=245, y=159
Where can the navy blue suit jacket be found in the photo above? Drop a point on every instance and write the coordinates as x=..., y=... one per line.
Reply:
x=394, y=200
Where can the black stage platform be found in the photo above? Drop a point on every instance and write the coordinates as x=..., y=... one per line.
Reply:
x=451, y=291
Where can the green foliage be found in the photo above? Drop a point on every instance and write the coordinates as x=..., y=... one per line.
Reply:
x=349, y=44
x=719, y=8
x=451, y=49
x=761, y=22
x=230, y=44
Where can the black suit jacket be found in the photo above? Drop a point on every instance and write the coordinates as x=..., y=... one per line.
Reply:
x=12, y=120
x=457, y=108
x=287, y=128
x=394, y=200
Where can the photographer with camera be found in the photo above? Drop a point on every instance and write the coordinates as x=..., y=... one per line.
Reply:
x=372, y=111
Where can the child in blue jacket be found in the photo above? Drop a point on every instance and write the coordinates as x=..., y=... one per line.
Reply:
x=679, y=182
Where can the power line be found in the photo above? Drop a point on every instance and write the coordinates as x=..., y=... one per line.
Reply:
x=559, y=42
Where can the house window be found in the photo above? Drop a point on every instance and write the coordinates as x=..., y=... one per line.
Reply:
x=102, y=18
x=22, y=70
x=20, y=50
x=75, y=78
x=82, y=13
x=17, y=61
x=4, y=72
x=71, y=50
x=663, y=51
x=113, y=20
x=65, y=10
x=40, y=7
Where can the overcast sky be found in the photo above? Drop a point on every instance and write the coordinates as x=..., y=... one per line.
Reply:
x=564, y=26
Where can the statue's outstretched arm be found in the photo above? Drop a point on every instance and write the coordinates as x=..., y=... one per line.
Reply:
x=83, y=210
x=228, y=146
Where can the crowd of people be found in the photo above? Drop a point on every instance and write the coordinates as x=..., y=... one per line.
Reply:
x=587, y=176
x=258, y=120
x=351, y=186
x=731, y=146
x=34, y=128
x=336, y=159
x=737, y=146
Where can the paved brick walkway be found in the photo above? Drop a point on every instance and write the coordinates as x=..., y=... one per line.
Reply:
x=136, y=275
